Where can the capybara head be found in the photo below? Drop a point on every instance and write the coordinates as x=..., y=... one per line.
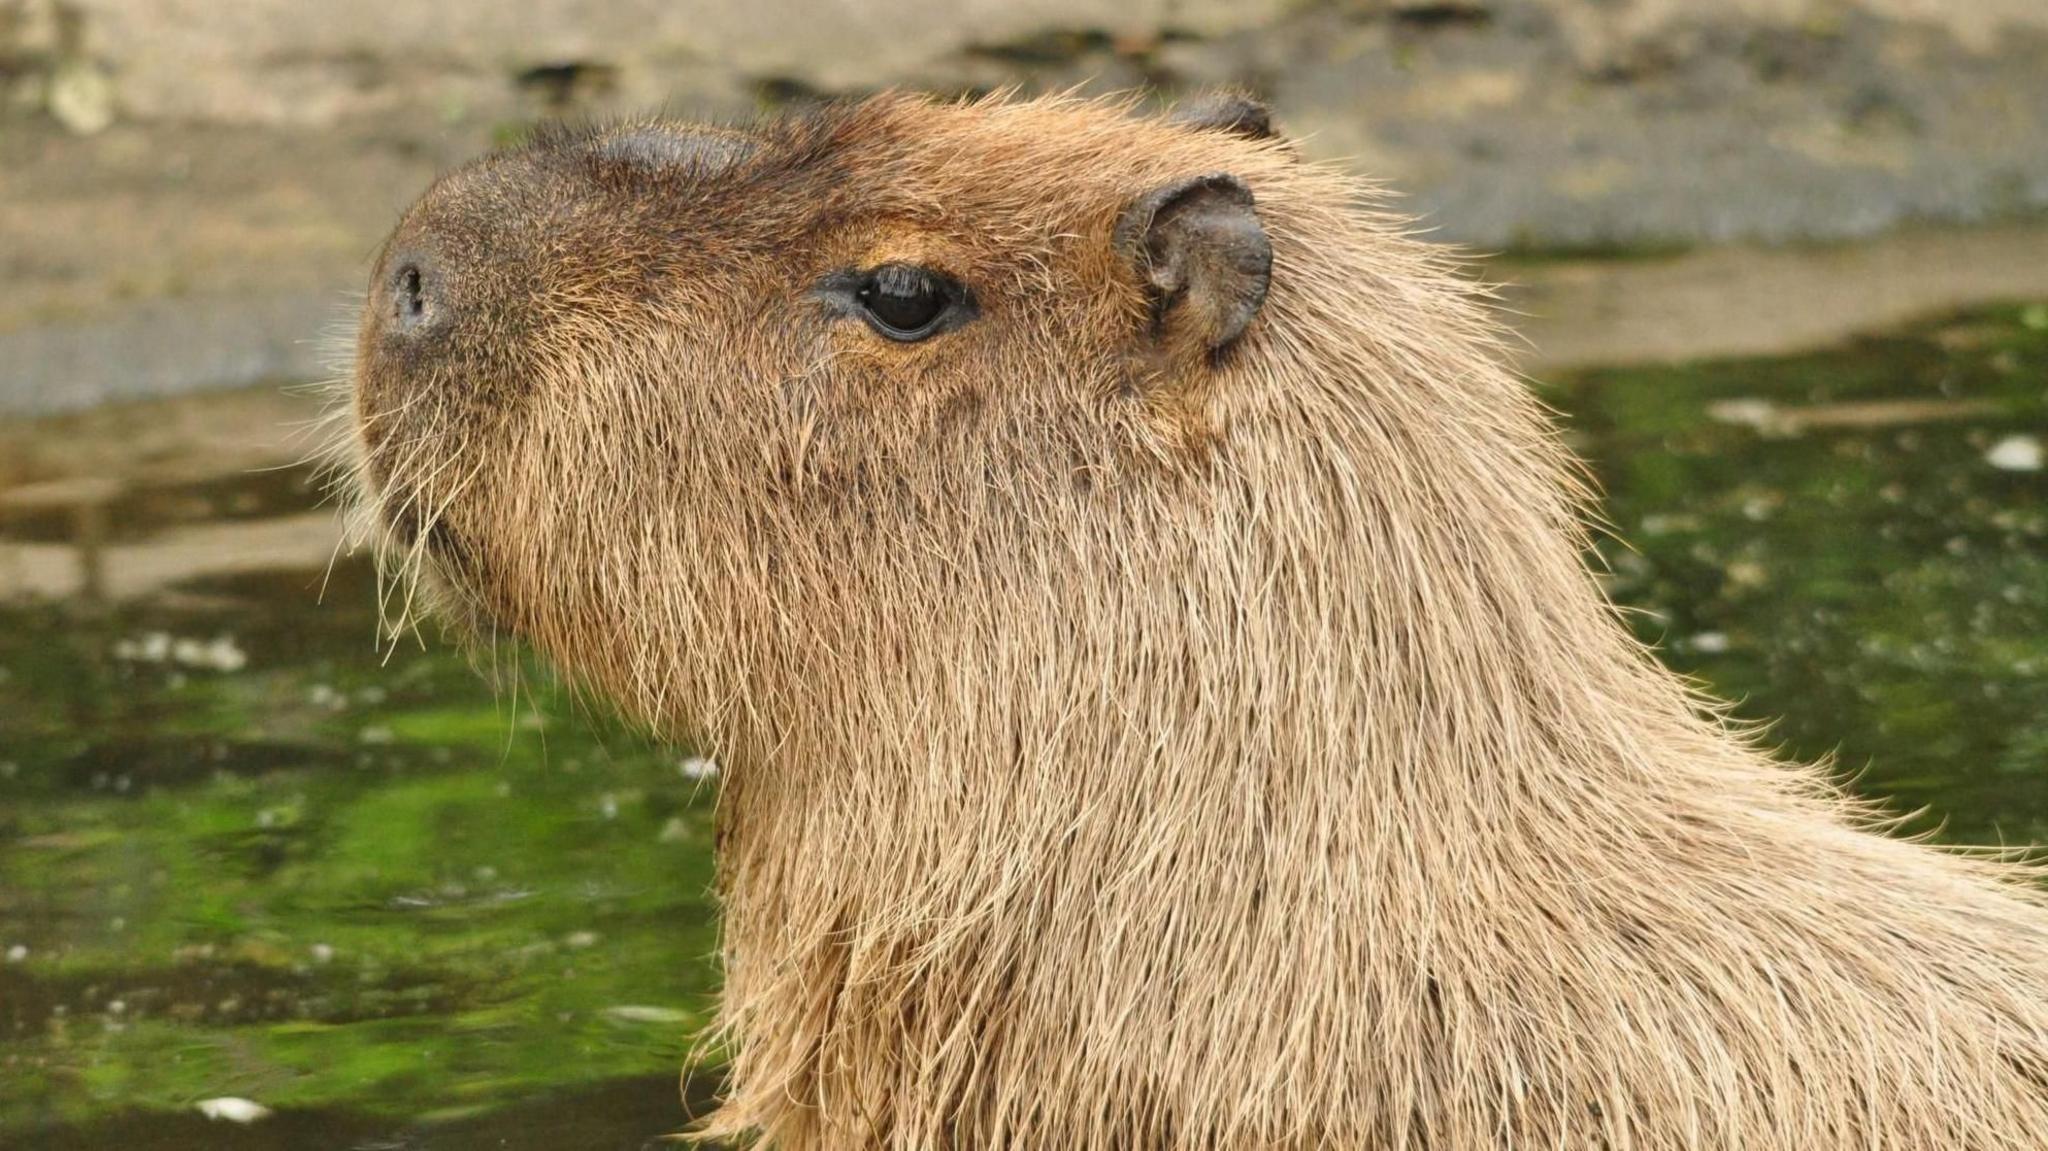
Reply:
x=698, y=410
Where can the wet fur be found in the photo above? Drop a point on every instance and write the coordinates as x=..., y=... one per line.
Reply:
x=1126, y=747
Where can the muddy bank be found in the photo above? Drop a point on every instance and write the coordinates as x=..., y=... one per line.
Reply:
x=1749, y=300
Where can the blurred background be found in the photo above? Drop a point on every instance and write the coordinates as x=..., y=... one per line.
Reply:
x=268, y=882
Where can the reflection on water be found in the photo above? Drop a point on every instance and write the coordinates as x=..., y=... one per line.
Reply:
x=242, y=856
x=1855, y=545
x=245, y=857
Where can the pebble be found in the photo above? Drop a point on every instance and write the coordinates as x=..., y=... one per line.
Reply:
x=232, y=1109
x=81, y=98
x=2015, y=454
x=218, y=654
x=637, y=1013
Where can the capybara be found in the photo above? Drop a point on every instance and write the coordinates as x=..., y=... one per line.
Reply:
x=1148, y=637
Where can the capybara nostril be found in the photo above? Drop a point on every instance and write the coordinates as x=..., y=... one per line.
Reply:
x=415, y=304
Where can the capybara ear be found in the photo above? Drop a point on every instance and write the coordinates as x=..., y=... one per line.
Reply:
x=1232, y=112
x=1200, y=250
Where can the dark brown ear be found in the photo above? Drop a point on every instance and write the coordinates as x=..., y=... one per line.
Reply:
x=1232, y=112
x=1198, y=247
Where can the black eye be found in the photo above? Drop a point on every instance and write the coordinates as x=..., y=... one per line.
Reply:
x=901, y=301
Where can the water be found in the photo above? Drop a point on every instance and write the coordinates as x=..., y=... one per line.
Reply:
x=1842, y=542
x=243, y=855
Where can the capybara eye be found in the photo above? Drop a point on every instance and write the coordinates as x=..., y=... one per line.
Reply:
x=904, y=302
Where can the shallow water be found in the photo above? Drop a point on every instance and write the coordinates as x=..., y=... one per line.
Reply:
x=244, y=854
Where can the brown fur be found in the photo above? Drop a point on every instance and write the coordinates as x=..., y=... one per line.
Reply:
x=1128, y=747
